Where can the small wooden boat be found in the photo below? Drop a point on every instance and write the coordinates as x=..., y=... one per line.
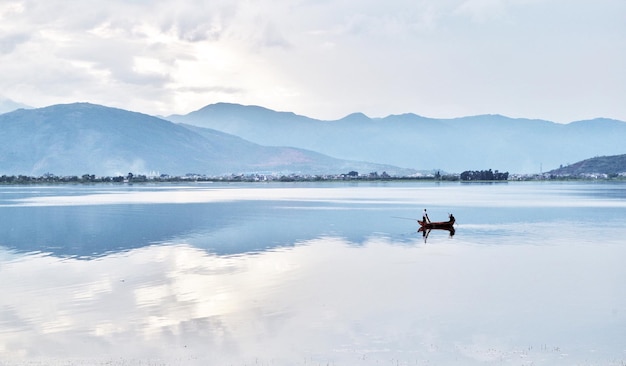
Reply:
x=439, y=224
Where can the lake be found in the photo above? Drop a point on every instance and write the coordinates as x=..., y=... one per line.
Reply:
x=313, y=274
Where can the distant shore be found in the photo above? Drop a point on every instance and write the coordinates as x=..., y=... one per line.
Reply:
x=252, y=178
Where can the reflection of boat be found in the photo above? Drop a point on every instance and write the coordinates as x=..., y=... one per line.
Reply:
x=438, y=225
x=425, y=232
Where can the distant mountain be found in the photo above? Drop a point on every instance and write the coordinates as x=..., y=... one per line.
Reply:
x=288, y=159
x=610, y=165
x=82, y=138
x=7, y=105
x=409, y=140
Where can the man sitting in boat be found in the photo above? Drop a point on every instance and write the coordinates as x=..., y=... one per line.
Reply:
x=425, y=218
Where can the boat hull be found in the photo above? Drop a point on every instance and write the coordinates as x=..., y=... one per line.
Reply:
x=437, y=225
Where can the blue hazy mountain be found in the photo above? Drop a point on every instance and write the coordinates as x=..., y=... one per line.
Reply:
x=413, y=141
x=8, y=105
x=82, y=138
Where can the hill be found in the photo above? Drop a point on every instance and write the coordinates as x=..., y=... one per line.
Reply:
x=410, y=140
x=80, y=138
x=609, y=165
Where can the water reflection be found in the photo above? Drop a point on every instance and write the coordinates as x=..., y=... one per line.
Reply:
x=426, y=232
x=325, y=300
x=221, y=220
x=271, y=276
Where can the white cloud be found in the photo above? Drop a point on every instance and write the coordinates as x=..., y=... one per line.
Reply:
x=558, y=60
x=482, y=10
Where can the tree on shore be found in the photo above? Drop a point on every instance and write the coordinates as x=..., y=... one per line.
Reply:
x=472, y=175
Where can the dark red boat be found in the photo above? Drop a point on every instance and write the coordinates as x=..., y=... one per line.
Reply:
x=438, y=225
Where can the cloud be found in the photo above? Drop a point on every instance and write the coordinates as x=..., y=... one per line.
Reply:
x=482, y=10
x=10, y=42
x=324, y=59
x=211, y=89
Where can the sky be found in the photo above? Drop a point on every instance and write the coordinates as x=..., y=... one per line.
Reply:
x=558, y=60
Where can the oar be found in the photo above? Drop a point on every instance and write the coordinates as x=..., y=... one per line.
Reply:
x=404, y=218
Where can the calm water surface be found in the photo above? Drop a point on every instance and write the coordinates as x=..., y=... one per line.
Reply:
x=313, y=274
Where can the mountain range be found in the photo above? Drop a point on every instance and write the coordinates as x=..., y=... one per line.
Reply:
x=413, y=141
x=222, y=139
x=82, y=138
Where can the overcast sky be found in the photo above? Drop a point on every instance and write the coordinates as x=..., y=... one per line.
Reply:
x=560, y=60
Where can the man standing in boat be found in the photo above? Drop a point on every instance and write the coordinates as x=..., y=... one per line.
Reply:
x=425, y=218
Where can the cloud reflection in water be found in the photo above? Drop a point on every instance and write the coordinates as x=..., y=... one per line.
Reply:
x=324, y=299
x=310, y=275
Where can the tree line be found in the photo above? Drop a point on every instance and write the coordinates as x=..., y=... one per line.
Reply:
x=470, y=175
x=477, y=175
x=85, y=178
